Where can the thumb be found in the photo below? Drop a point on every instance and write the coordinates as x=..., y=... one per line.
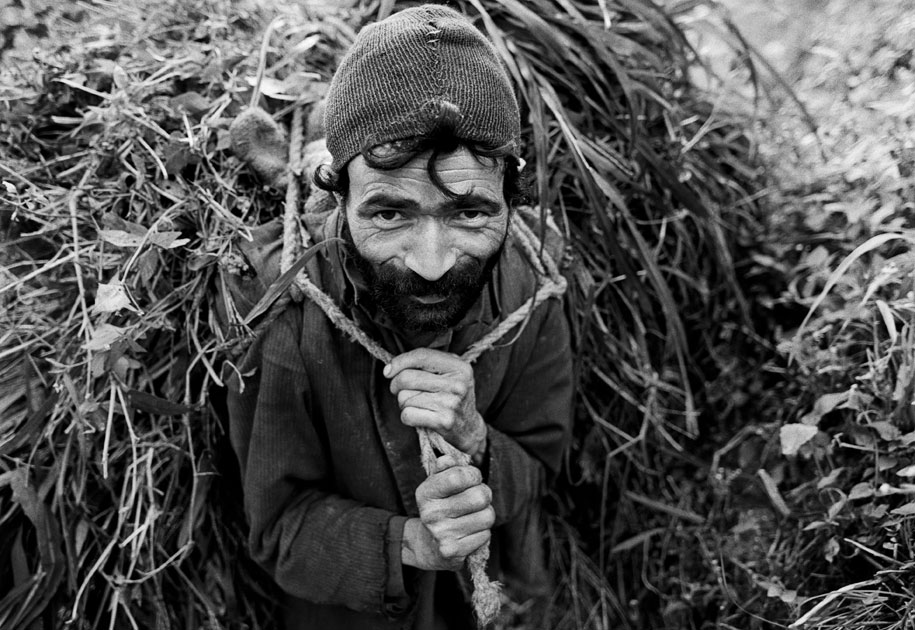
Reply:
x=444, y=463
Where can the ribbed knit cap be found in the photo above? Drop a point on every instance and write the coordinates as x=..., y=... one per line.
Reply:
x=393, y=82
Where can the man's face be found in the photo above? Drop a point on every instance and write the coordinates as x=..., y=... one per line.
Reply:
x=425, y=256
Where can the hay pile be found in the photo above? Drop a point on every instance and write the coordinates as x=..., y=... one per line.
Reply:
x=120, y=199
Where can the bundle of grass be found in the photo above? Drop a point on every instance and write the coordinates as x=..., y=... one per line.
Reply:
x=121, y=202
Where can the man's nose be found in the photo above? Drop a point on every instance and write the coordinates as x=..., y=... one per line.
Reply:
x=431, y=254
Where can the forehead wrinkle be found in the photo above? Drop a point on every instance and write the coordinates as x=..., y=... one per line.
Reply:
x=461, y=172
x=387, y=199
x=417, y=191
x=392, y=187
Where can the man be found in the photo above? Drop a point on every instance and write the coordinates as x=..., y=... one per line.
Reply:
x=423, y=130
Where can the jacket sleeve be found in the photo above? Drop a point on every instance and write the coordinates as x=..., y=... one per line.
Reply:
x=315, y=544
x=530, y=423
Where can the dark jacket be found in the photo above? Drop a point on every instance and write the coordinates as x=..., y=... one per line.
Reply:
x=329, y=471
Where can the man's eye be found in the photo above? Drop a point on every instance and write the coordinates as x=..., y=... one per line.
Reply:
x=387, y=215
x=470, y=215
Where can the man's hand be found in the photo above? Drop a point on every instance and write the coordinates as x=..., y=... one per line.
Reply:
x=455, y=517
x=435, y=391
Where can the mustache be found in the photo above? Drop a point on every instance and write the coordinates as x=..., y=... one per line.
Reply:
x=397, y=282
x=405, y=282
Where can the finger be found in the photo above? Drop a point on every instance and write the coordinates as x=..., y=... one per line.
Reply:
x=431, y=401
x=477, y=499
x=471, y=543
x=459, y=528
x=472, y=524
x=436, y=420
x=425, y=382
x=463, y=547
x=474, y=500
x=444, y=462
x=427, y=360
x=432, y=488
x=450, y=481
x=412, y=398
x=464, y=534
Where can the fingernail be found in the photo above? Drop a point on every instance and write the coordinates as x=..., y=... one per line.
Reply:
x=387, y=370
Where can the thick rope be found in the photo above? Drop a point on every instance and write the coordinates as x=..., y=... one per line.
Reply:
x=291, y=236
x=238, y=346
x=547, y=290
x=486, y=598
x=550, y=288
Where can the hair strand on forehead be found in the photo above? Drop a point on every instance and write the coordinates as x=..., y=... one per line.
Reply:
x=441, y=138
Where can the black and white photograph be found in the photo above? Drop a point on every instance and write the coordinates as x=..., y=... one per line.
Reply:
x=457, y=315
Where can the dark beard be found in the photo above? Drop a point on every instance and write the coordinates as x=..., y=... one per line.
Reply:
x=392, y=290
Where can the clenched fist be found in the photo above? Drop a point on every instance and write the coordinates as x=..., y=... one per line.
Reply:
x=435, y=390
x=455, y=518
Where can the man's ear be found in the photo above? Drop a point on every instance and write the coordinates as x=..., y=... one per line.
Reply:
x=261, y=143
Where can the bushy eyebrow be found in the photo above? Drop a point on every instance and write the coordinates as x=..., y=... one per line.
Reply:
x=385, y=200
x=470, y=200
x=461, y=202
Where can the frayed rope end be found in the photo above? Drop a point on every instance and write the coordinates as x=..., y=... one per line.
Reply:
x=487, y=595
x=487, y=601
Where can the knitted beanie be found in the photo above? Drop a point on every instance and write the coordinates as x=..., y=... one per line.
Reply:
x=405, y=72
